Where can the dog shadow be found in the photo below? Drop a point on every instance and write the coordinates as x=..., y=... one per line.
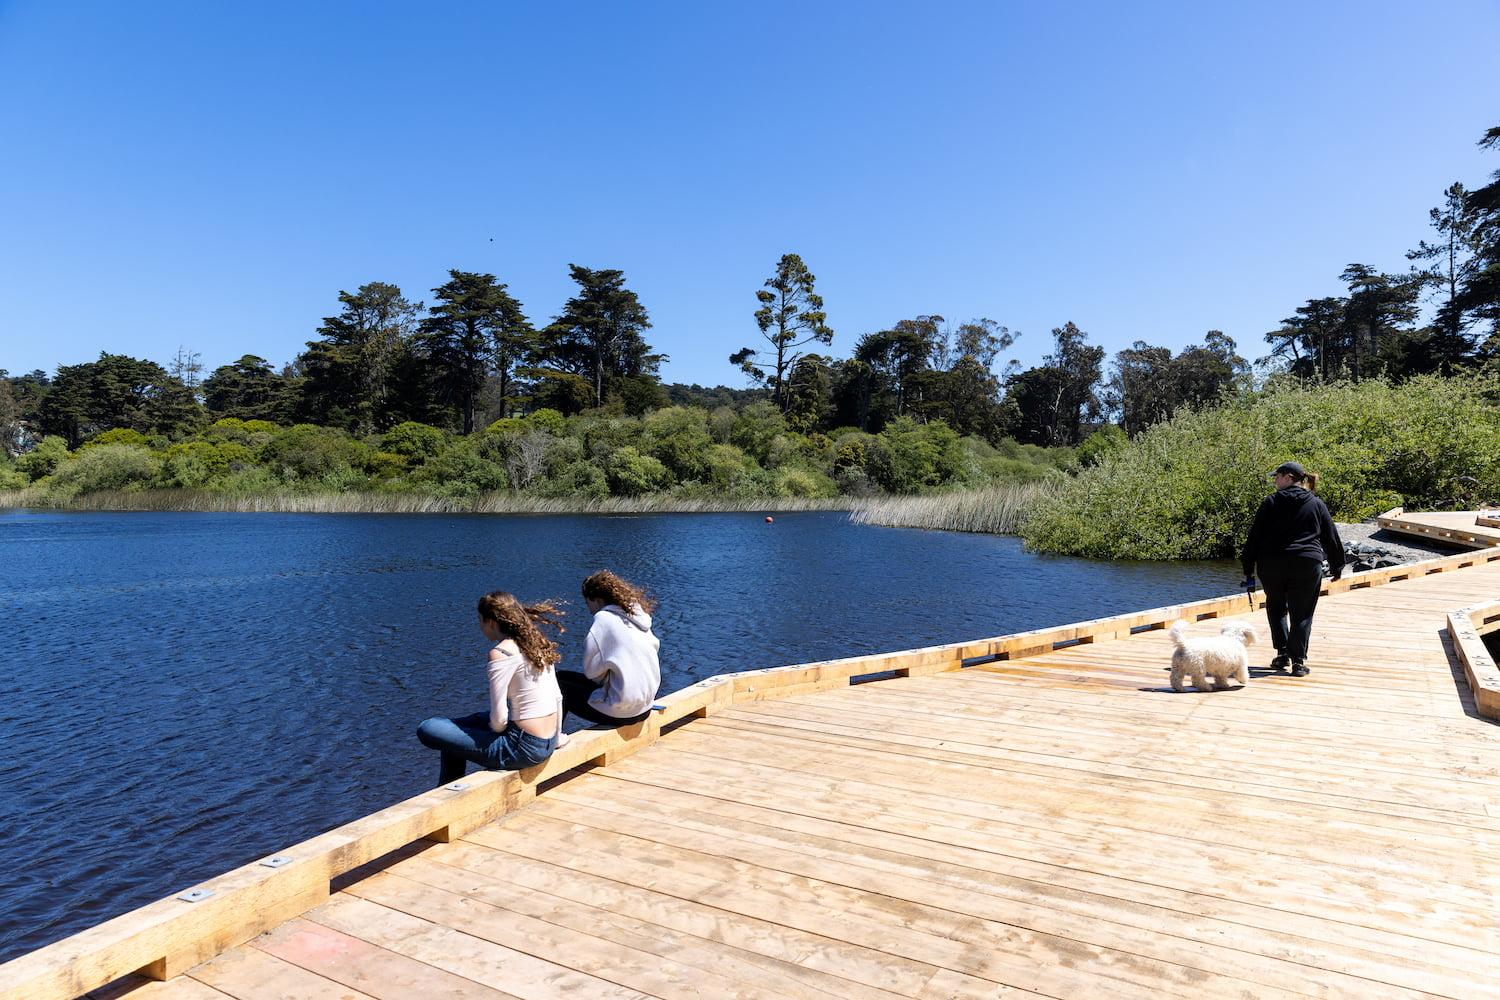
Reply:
x=1189, y=689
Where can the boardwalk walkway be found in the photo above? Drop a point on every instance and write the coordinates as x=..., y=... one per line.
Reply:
x=1058, y=825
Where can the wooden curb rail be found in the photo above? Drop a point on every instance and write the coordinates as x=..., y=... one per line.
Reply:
x=1467, y=628
x=1396, y=519
x=169, y=936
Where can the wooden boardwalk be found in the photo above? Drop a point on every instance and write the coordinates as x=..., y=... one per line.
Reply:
x=1470, y=529
x=1056, y=823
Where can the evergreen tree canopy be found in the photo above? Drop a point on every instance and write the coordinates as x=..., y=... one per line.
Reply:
x=475, y=328
x=599, y=332
x=790, y=316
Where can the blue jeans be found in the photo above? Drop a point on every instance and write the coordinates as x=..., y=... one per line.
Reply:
x=471, y=739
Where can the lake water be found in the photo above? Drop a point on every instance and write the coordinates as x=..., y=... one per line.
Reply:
x=183, y=693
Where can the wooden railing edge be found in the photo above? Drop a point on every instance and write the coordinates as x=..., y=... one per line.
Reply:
x=166, y=937
x=1467, y=628
x=1395, y=520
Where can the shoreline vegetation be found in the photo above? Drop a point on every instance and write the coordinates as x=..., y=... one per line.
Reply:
x=1184, y=488
x=286, y=502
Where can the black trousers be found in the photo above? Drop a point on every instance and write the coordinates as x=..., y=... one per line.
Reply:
x=1291, y=585
x=576, y=689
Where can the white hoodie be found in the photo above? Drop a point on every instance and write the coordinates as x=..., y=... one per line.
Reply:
x=621, y=652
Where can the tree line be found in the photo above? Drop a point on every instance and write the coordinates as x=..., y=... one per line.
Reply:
x=474, y=356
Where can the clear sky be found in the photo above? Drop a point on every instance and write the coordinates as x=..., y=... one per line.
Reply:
x=212, y=174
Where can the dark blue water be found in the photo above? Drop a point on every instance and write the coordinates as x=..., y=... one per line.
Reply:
x=183, y=693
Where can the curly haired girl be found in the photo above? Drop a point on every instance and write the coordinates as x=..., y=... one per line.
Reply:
x=524, y=721
x=621, y=671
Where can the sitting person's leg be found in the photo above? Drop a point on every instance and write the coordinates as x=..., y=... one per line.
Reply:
x=459, y=741
x=576, y=691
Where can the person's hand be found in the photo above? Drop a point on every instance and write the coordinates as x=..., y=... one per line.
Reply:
x=1338, y=572
x=1248, y=583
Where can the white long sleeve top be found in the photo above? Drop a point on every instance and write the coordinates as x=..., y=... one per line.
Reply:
x=621, y=651
x=517, y=691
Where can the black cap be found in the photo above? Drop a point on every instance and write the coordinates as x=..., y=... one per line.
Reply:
x=1291, y=469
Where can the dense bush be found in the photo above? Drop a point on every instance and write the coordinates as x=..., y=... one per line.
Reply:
x=413, y=441
x=1189, y=488
x=462, y=471
x=305, y=451
x=194, y=464
x=44, y=459
x=106, y=467
x=679, y=451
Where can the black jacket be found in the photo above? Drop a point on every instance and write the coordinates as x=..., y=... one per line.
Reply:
x=1293, y=522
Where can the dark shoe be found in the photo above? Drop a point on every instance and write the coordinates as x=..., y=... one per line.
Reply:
x=1279, y=662
x=1299, y=670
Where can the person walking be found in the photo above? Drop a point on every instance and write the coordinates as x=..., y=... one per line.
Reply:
x=1293, y=533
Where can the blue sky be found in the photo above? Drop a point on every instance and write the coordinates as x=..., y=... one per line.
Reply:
x=211, y=175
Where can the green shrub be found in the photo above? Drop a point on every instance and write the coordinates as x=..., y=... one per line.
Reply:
x=44, y=459
x=386, y=466
x=727, y=471
x=118, y=435
x=1105, y=441
x=578, y=479
x=11, y=478
x=678, y=436
x=632, y=474
x=755, y=427
x=461, y=471
x=106, y=467
x=797, y=481
x=922, y=456
x=546, y=419
x=307, y=452
x=195, y=464
x=1189, y=487
x=414, y=441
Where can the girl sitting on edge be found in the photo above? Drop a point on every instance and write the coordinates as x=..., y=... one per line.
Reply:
x=620, y=668
x=525, y=718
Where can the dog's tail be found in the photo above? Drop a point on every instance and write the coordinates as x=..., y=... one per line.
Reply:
x=1178, y=632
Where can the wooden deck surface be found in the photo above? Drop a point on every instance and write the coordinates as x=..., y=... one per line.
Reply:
x=1061, y=826
x=1474, y=529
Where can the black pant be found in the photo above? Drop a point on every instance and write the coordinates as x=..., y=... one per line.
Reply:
x=576, y=689
x=1291, y=585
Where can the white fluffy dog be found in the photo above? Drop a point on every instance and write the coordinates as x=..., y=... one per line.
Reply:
x=1221, y=657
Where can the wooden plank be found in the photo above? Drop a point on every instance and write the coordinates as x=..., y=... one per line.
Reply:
x=140, y=988
x=457, y=902
x=1391, y=958
x=1283, y=960
x=1382, y=899
x=838, y=966
x=248, y=973
x=377, y=972
x=717, y=959
x=484, y=963
x=1012, y=955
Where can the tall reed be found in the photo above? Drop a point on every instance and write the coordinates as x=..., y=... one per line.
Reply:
x=399, y=503
x=997, y=510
